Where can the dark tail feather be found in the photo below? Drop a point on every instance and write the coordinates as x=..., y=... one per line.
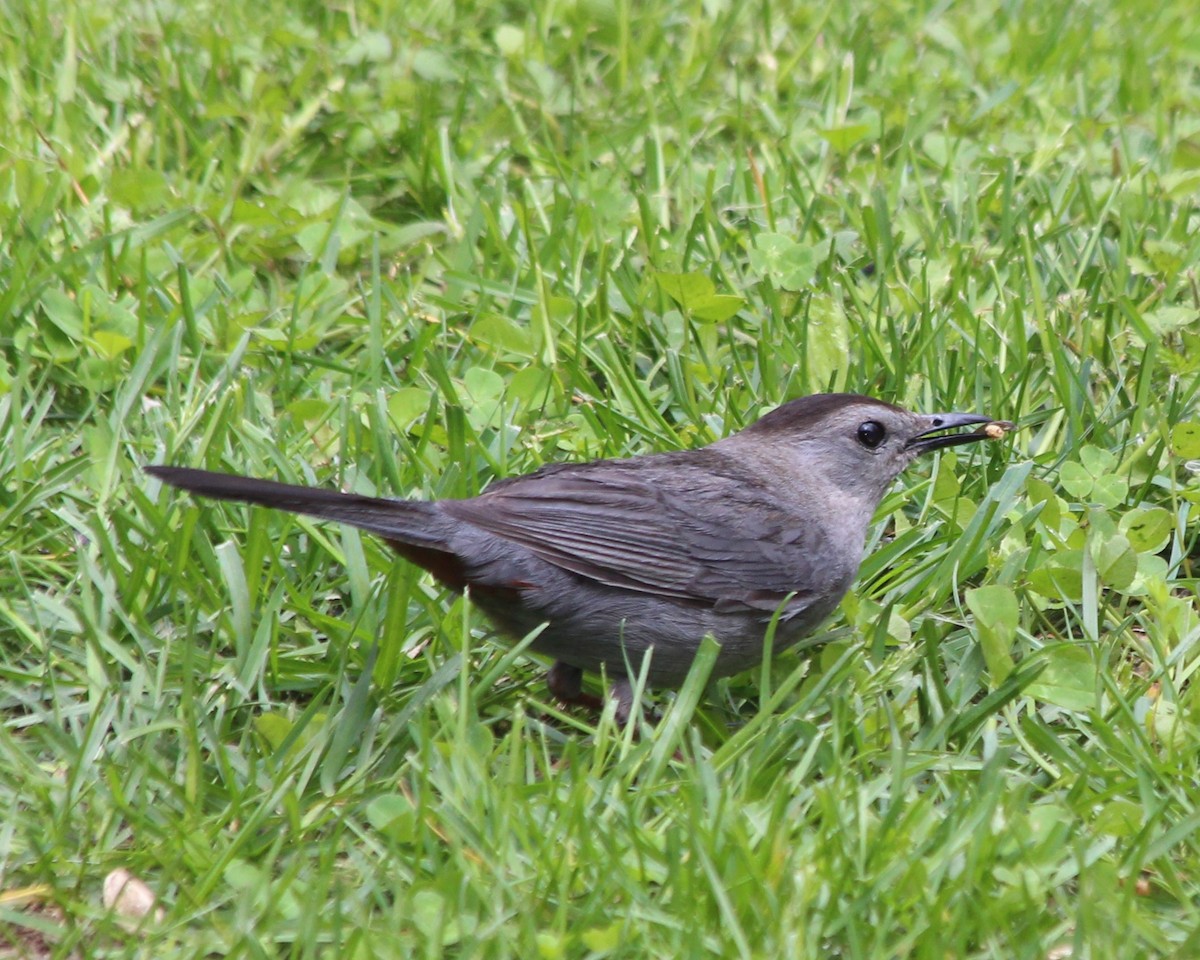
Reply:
x=415, y=522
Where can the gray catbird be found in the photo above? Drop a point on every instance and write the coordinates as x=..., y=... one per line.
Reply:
x=621, y=557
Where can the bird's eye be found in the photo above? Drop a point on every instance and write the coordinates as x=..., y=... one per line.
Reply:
x=871, y=434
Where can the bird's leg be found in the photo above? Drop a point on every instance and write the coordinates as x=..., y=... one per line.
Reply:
x=566, y=684
x=622, y=694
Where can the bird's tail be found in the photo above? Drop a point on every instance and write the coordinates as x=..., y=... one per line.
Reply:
x=415, y=522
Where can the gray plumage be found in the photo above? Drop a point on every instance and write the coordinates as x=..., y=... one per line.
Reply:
x=619, y=557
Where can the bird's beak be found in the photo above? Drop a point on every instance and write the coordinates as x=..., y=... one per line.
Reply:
x=932, y=437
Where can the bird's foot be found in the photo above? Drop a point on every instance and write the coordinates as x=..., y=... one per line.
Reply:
x=566, y=685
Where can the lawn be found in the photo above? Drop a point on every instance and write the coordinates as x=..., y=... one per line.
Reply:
x=407, y=248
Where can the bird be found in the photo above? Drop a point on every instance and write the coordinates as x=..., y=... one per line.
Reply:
x=619, y=560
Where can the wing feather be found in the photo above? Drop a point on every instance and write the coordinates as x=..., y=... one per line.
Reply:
x=639, y=524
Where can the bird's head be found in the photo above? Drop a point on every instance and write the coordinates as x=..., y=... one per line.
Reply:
x=856, y=443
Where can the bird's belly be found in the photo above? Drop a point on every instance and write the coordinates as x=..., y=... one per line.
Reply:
x=614, y=630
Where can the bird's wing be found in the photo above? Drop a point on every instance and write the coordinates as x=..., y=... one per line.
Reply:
x=657, y=525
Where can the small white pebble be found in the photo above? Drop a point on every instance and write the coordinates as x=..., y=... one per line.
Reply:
x=129, y=896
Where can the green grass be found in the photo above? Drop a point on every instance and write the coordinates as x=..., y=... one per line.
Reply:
x=408, y=248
